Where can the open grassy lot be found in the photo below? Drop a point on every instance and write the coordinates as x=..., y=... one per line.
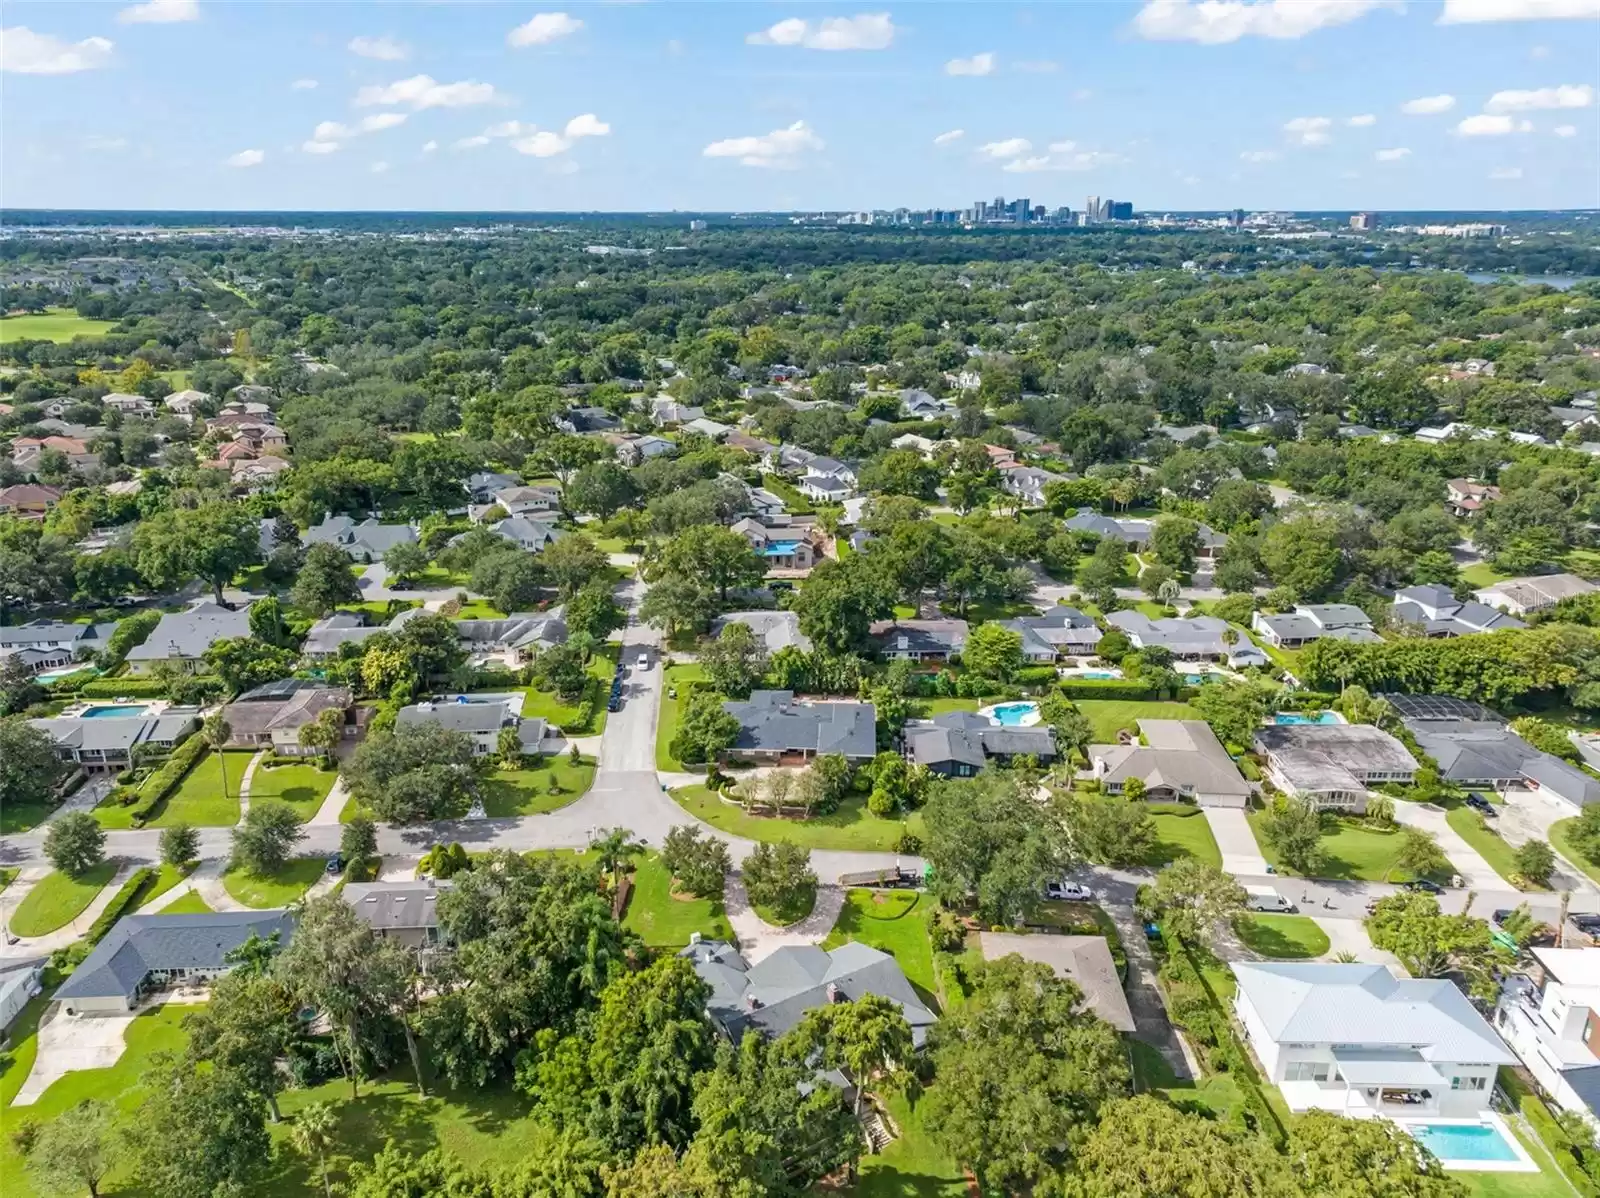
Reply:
x=54, y=324
x=59, y=899
x=1109, y=716
x=565, y=715
x=1480, y=834
x=1352, y=851
x=662, y=917
x=527, y=791
x=895, y=921
x=277, y=889
x=302, y=785
x=198, y=800
x=678, y=678
x=1561, y=841
x=1182, y=831
x=850, y=827
x=1282, y=937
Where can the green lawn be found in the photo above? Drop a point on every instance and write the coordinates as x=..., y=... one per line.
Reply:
x=1217, y=1095
x=664, y=918
x=852, y=826
x=1282, y=937
x=381, y=611
x=302, y=785
x=58, y=899
x=479, y=609
x=1352, y=851
x=895, y=921
x=791, y=911
x=928, y=708
x=912, y=1166
x=1109, y=716
x=1471, y=827
x=602, y=666
x=1182, y=831
x=198, y=800
x=797, y=503
x=16, y=818
x=527, y=792
x=166, y=878
x=1561, y=841
x=1548, y=1183
x=678, y=678
x=1482, y=575
x=8, y=875
x=54, y=324
x=189, y=904
x=277, y=889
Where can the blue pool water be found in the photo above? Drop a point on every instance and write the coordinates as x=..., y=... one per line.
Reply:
x=1098, y=674
x=112, y=712
x=1323, y=717
x=781, y=548
x=1463, y=1142
x=1011, y=715
x=1194, y=679
x=50, y=676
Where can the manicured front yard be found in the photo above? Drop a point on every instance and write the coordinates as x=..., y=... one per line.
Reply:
x=302, y=785
x=166, y=878
x=1470, y=826
x=1282, y=937
x=666, y=919
x=198, y=800
x=59, y=899
x=602, y=666
x=679, y=679
x=527, y=791
x=1108, y=716
x=1182, y=831
x=896, y=922
x=1561, y=841
x=16, y=818
x=852, y=826
x=1352, y=851
x=277, y=889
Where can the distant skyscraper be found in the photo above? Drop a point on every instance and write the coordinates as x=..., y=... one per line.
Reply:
x=999, y=208
x=1091, y=210
x=1238, y=218
x=1364, y=221
x=1119, y=209
x=697, y=226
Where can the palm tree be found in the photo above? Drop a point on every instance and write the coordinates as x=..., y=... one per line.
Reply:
x=218, y=732
x=1168, y=590
x=509, y=745
x=312, y=1136
x=615, y=849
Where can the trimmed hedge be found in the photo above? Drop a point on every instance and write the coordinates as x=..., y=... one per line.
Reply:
x=133, y=688
x=167, y=779
x=121, y=903
x=1034, y=676
x=1108, y=688
x=1553, y=1138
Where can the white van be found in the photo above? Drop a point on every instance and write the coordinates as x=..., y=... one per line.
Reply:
x=1265, y=898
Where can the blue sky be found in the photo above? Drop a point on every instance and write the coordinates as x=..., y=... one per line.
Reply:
x=624, y=106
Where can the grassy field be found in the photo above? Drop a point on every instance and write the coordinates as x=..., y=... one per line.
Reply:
x=1480, y=834
x=54, y=324
x=565, y=715
x=302, y=785
x=1482, y=575
x=678, y=678
x=527, y=792
x=198, y=800
x=1182, y=831
x=664, y=918
x=1352, y=851
x=910, y=1167
x=58, y=899
x=850, y=827
x=894, y=921
x=277, y=889
x=1109, y=716
x=1282, y=937
x=1561, y=841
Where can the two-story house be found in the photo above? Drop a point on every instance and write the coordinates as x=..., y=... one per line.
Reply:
x=789, y=549
x=1550, y=1016
x=1466, y=498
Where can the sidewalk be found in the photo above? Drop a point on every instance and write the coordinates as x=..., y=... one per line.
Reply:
x=1350, y=936
x=247, y=781
x=328, y=813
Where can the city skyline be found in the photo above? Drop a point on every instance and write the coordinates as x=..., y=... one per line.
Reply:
x=1466, y=105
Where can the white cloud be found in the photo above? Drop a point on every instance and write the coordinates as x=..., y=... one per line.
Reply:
x=1009, y=148
x=544, y=144
x=544, y=28
x=1467, y=12
x=1568, y=95
x=104, y=144
x=377, y=168
x=1259, y=156
x=509, y=129
x=1309, y=130
x=781, y=149
x=422, y=91
x=318, y=146
x=1565, y=131
x=1060, y=160
x=379, y=121
x=25, y=52
x=471, y=143
x=1492, y=125
x=1428, y=105
x=1063, y=147
x=1506, y=172
x=949, y=136
x=977, y=65
x=160, y=12
x=331, y=131
x=385, y=48
x=303, y=85
x=429, y=147
x=1398, y=154
x=1362, y=121
x=865, y=31
x=1214, y=22
x=246, y=158
x=587, y=125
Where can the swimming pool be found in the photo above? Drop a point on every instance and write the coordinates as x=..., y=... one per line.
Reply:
x=1322, y=717
x=781, y=549
x=1100, y=675
x=1466, y=1144
x=50, y=676
x=1014, y=715
x=114, y=711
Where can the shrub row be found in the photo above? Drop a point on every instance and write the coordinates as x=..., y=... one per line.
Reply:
x=1107, y=688
x=166, y=779
x=134, y=688
x=1571, y=1162
x=121, y=903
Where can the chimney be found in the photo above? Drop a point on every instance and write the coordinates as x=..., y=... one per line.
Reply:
x=752, y=1003
x=833, y=993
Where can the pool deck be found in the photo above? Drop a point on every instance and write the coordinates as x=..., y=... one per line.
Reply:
x=1522, y=1164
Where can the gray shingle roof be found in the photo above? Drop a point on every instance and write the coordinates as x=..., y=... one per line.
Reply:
x=775, y=629
x=115, y=733
x=1358, y=747
x=922, y=636
x=392, y=905
x=41, y=632
x=139, y=945
x=774, y=722
x=1197, y=635
x=368, y=536
x=188, y=634
x=1084, y=959
x=459, y=717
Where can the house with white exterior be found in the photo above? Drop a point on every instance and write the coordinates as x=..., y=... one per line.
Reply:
x=1550, y=1016
x=1539, y=592
x=919, y=640
x=1028, y=483
x=1059, y=632
x=479, y=718
x=1311, y=622
x=787, y=549
x=1437, y=612
x=1198, y=638
x=1359, y=1041
x=1179, y=760
x=106, y=744
x=50, y=644
x=1335, y=764
x=364, y=540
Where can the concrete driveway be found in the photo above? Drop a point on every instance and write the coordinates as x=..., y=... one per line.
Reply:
x=1475, y=872
x=1240, y=852
x=1527, y=815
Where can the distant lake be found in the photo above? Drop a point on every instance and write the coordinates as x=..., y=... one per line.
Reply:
x=1559, y=282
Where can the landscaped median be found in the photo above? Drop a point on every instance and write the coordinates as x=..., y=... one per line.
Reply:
x=675, y=693
x=556, y=782
x=852, y=826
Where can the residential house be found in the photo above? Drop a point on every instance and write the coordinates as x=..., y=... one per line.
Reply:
x=1084, y=960
x=1134, y=533
x=911, y=441
x=28, y=453
x=1523, y=596
x=1027, y=483
x=1466, y=498
x=105, y=744
x=30, y=501
x=1198, y=638
x=512, y=640
x=478, y=717
x=1310, y=622
x=406, y=912
x=19, y=980
x=365, y=541
x=773, y=629
x=1573, y=417
x=776, y=728
x=787, y=459
x=591, y=420
x=146, y=954
x=186, y=402
x=772, y=996
x=528, y=533
x=1437, y=612
x=1550, y=1016
x=825, y=488
x=482, y=485
x=666, y=412
x=327, y=636
x=50, y=644
x=919, y=405
x=182, y=638
x=1485, y=754
x=129, y=405
x=739, y=439
x=960, y=743
x=254, y=474
x=1335, y=764
x=1182, y=434
x=706, y=427
x=791, y=550
x=1357, y=1040
x=1179, y=760
x=1058, y=633
x=272, y=715
x=919, y=640
x=632, y=448
x=519, y=500
x=759, y=502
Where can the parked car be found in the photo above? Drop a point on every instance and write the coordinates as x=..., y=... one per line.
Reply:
x=1480, y=804
x=1070, y=892
x=644, y=661
x=1589, y=925
x=336, y=864
x=1423, y=885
